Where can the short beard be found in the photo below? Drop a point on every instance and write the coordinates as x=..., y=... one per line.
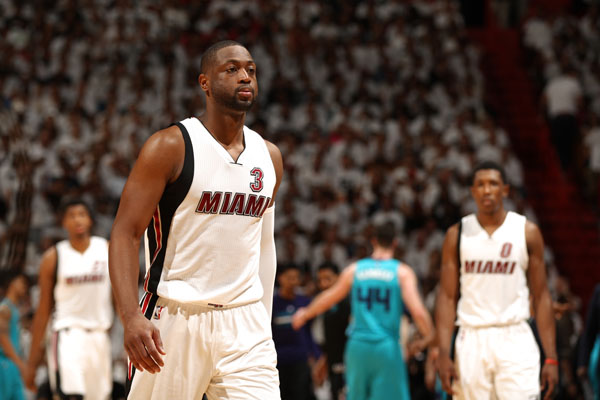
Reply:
x=231, y=101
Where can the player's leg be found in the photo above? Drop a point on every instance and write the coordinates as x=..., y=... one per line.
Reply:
x=98, y=371
x=518, y=360
x=245, y=362
x=187, y=365
x=66, y=361
x=473, y=364
x=358, y=369
x=390, y=381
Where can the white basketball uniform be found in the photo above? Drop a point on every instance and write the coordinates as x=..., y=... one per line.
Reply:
x=496, y=352
x=79, y=352
x=202, y=286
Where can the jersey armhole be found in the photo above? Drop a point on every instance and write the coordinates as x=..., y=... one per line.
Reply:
x=184, y=180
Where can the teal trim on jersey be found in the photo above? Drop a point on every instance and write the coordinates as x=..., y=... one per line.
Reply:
x=13, y=328
x=376, y=301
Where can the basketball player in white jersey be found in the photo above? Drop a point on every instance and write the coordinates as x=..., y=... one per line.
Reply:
x=495, y=257
x=202, y=191
x=75, y=288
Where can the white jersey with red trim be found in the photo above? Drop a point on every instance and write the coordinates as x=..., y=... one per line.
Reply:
x=203, y=243
x=82, y=293
x=493, y=281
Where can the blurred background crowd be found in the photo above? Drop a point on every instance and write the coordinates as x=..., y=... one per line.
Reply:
x=380, y=108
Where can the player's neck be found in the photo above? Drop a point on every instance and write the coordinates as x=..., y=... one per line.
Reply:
x=80, y=242
x=12, y=297
x=492, y=220
x=381, y=253
x=226, y=127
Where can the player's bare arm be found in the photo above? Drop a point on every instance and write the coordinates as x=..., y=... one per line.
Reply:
x=159, y=163
x=542, y=304
x=268, y=259
x=5, y=342
x=445, y=308
x=278, y=165
x=326, y=299
x=46, y=283
x=412, y=298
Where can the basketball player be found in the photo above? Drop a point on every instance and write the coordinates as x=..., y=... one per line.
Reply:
x=12, y=364
x=381, y=286
x=494, y=255
x=75, y=286
x=202, y=190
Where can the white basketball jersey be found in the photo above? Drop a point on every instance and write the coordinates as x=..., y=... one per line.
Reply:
x=203, y=243
x=82, y=293
x=493, y=281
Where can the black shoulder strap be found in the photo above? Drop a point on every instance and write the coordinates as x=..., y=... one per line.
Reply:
x=458, y=243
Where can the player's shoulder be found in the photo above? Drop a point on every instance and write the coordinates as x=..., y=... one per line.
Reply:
x=99, y=240
x=5, y=311
x=169, y=137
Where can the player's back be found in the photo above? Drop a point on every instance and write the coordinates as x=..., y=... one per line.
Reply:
x=376, y=300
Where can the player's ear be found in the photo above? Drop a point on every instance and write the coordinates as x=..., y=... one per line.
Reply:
x=505, y=190
x=203, y=82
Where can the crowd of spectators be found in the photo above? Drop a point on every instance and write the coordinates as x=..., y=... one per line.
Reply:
x=377, y=106
x=566, y=49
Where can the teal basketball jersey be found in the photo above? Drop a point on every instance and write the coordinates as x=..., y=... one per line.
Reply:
x=13, y=328
x=376, y=300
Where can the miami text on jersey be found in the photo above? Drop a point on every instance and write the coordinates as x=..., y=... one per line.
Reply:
x=249, y=205
x=490, y=267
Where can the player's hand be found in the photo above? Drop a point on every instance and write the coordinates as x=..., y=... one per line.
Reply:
x=319, y=371
x=143, y=344
x=430, y=363
x=447, y=372
x=299, y=318
x=549, y=379
x=29, y=378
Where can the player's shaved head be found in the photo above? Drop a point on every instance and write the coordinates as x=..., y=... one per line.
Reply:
x=210, y=55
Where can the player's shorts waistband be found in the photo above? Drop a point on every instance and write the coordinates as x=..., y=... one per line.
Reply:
x=496, y=325
x=199, y=307
x=80, y=328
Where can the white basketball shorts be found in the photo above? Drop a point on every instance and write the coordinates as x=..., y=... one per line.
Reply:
x=227, y=353
x=79, y=363
x=497, y=363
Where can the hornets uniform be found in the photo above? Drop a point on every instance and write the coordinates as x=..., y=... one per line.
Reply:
x=375, y=369
x=495, y=348
x=11, y=383
x=202, y=288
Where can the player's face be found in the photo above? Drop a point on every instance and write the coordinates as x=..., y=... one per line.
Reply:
x=488, y=190
x=20, y=285
x=326, y=278
x=77, y=220
x=232, y=80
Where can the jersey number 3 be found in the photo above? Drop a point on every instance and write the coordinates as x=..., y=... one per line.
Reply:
x=257, y=185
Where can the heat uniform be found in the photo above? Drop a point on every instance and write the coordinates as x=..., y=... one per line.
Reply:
x=202, y=286
x=496, y=351
x=79, y=352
